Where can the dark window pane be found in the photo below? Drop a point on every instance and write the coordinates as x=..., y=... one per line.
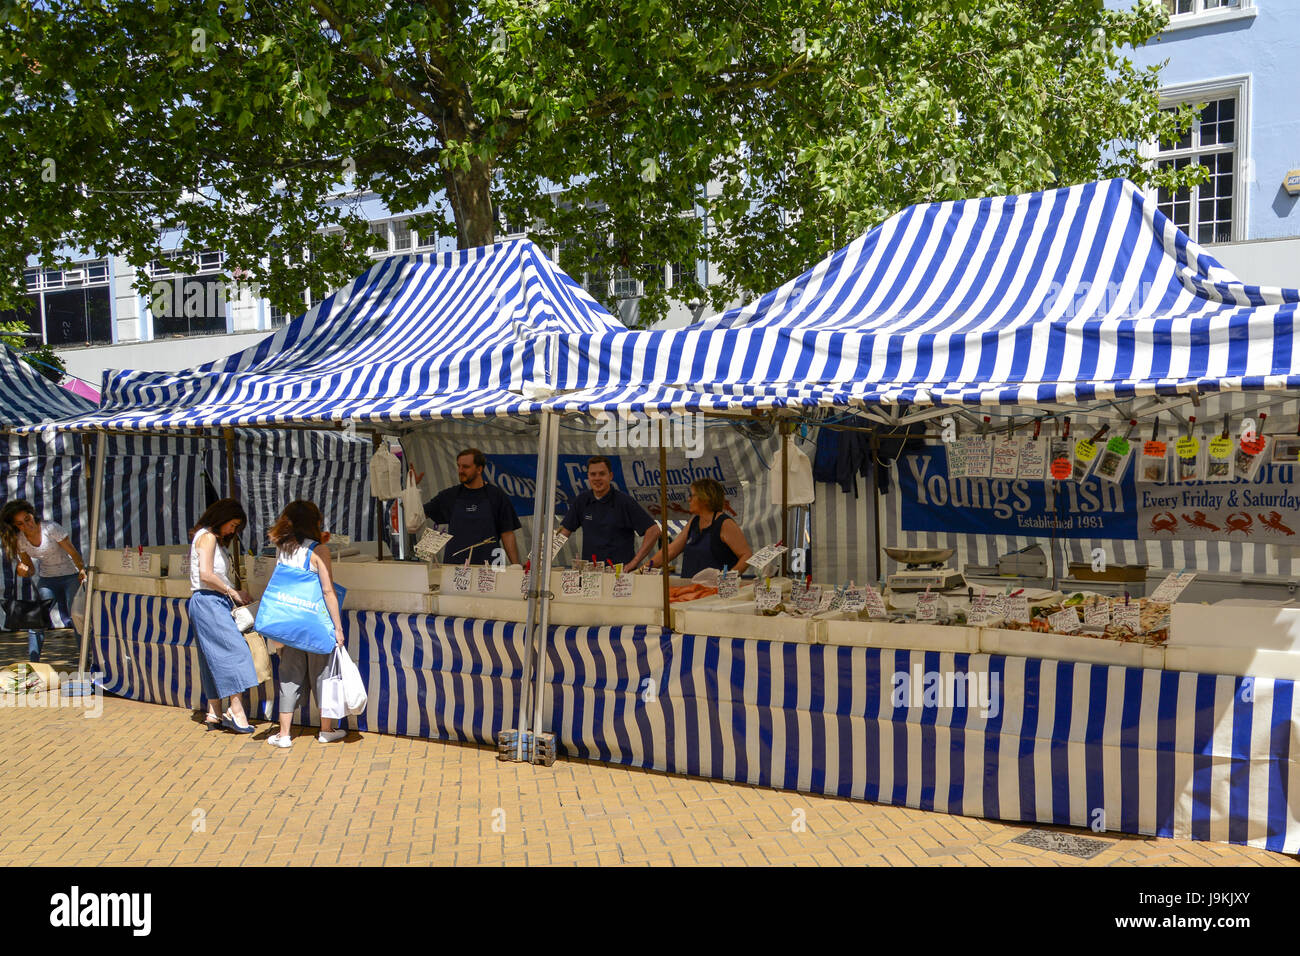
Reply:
x=29, y=313
x=1227, y=129
x=1224, y=210
x=1205, y=233
x=193, y=305
x=1227, y=110
x=1210, y=112
x=99, y=314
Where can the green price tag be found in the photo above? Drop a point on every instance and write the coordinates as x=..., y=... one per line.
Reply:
x=1119, y=445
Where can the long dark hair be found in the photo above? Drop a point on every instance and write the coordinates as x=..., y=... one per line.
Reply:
x=227, y=509
x=9, y=530
x=300, y=521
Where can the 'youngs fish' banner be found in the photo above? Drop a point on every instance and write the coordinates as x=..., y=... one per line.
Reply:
x=933, y=501
x=1263, y=510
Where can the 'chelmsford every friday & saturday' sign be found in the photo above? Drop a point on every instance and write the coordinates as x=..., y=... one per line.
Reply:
x=1265, y=509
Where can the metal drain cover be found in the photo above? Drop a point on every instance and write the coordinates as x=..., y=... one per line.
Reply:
x=1070, y=844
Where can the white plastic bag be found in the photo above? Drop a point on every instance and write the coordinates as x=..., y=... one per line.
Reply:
x=77, y=610
x=385, y=475
x=800, y=491
x=412, y=505
x=354, y=689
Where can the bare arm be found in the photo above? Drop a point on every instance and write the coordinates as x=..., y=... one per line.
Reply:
x=207, y=545
x=647, y=545
x=674, y=548
x=512, y=548
x=323, y=565
x=734, y=539
x=26, y=566
x=66, y=545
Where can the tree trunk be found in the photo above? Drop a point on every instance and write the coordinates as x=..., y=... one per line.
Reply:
x=470, y=194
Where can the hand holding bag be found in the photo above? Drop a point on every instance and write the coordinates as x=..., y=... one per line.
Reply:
x=330, y=694
x=293, y=612
x=354, y=688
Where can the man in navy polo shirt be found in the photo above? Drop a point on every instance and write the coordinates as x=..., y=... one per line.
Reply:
x=477, y=514
x=610, y=520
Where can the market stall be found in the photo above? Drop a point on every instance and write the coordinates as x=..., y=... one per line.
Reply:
x=1083, y=302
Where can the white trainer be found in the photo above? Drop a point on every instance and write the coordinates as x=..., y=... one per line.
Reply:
x=278, y=740
x=329, y=736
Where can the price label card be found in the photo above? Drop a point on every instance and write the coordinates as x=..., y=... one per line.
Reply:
x=979, y=456
x=1097, y=614
x=729, y=585
x=1155, y=449
x=855, y=599
x=523, y=583
x=485, y=581
x=1128, y=615
x=980, y=610
x=927, y=606
x=623, y=587
x=1033, y=460
x=144, y=562
x=558, y=541
x=765, y=556
x=460, y=579
x=810, y=598
x=1006, y=458
x=1172, y=586
x=1188, y=446
x=1085, y=449
x=128, y=559
x=591, y=584
x=875, y=603
x=765, y=598
x=185, y=565
x=1018, y=608
x=825, y=603
x=956, y=451
x=1065, y=621
x=431, y=544
x=571, y=582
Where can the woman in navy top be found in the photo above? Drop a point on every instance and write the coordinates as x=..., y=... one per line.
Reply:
x=712, y=539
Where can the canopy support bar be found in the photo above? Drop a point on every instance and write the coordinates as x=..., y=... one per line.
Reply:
x=96, y=505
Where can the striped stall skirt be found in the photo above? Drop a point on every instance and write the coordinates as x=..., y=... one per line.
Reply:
x=1111, y=748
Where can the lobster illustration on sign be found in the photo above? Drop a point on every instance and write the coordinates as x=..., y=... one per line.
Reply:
x=1198, y=520
x=1164, y=522
x=1239, y=521
x=1274, y=520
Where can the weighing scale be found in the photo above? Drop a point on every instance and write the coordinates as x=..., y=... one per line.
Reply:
x=924, y=568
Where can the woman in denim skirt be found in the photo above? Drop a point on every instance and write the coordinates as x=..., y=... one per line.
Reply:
x=225, y=662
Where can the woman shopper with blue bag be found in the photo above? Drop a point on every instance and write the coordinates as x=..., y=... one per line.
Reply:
x=303, y=575
x=225, y=662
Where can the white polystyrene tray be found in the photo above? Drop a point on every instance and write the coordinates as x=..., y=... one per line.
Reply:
x=921, y=637
x=373, y=575
x=131, y=584
x=687, y=620
x=1064, y=647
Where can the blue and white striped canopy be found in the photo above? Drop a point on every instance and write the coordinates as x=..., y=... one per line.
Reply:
x=462, y=334
x=27, y=397
x=1070, y=295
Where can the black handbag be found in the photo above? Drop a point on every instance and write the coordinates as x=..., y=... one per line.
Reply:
x=21, y=615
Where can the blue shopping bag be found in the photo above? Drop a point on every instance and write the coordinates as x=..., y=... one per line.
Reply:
x=293, y=612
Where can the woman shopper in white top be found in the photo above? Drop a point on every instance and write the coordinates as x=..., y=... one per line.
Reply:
x=42, y=549
x=294, y=534
x=225, y=662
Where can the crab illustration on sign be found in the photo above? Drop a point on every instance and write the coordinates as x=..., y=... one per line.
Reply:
x=1164, y=522
x=1198, y=520
x=1273, y=520
x=1239, y=521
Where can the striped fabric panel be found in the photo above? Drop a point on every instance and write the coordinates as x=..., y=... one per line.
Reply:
x=1066, y=295
x=1122, y=749
x=26, y=396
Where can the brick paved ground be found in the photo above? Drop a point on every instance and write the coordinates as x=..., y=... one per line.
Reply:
x=144, y=784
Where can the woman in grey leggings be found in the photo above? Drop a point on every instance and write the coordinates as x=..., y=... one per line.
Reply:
x=295, y=536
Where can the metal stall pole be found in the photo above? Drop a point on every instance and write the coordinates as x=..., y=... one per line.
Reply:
x=96, y=505
x=378, y=505
x=229, y=434
x=547, y=516
x=785, y=499
x=663, y=529
x=541, y=543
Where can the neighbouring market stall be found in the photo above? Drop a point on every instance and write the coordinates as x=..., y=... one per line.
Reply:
x=991, y=307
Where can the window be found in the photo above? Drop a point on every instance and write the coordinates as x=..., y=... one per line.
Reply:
x=78, y=317
x=684, y=274
x=401, y=235
x=1212, y=210
x=29, y=313
x=93, y=272
x=1194, y=13
x=188, y=305
x=280, y=319
x=1180, y=7
x=625, y=283
x=379, y=234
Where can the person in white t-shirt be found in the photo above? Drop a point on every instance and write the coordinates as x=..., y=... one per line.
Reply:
x=42, y=550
